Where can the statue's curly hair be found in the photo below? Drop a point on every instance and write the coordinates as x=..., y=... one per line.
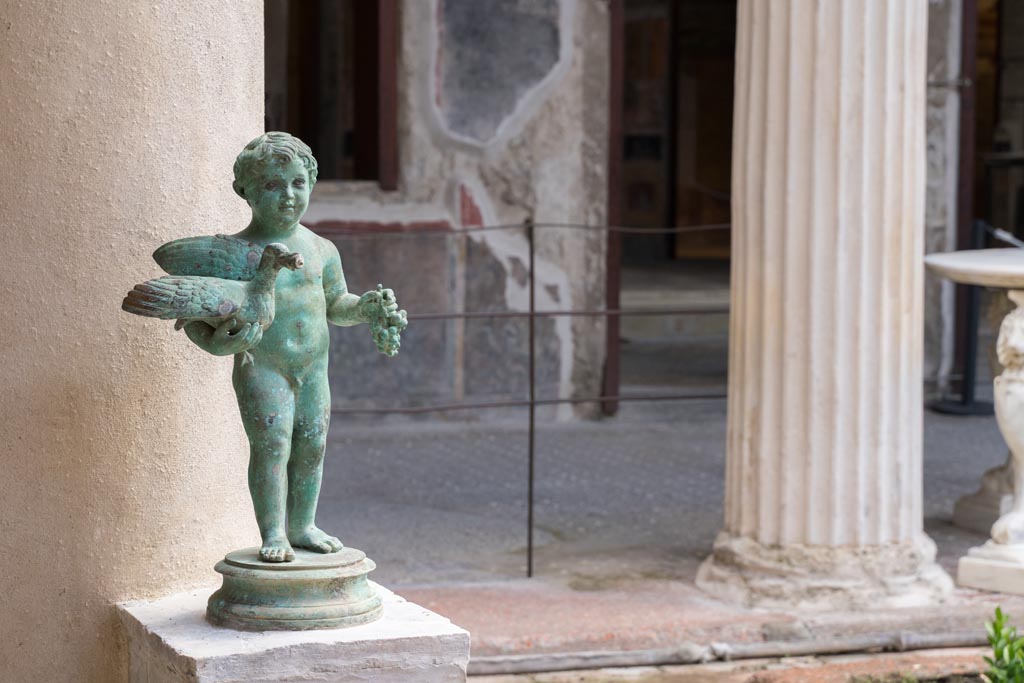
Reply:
x=271, y=147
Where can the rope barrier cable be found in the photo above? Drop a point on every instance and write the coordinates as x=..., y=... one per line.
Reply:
x=457, y=231
x=625, y=312
x=525, y=403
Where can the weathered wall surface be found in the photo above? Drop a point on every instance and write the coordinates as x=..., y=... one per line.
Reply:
x=484, y=140
x=123, y=456
x=940, y=203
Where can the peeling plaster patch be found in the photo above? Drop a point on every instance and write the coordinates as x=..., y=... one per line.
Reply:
x=491, y=55
x=495, y=62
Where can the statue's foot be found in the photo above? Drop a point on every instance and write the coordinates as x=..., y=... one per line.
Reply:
x=1009, y=528
x=313, y=539
x=277, y=550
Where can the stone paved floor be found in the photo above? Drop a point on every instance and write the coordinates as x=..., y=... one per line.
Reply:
x=446, y=501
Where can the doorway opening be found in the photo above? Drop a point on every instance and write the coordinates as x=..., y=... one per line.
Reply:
x=678, y=60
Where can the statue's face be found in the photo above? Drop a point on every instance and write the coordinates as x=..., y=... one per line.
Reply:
x=279, y=196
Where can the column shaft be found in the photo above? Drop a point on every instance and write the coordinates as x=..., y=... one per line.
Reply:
x=824, y=442
x=125, y=460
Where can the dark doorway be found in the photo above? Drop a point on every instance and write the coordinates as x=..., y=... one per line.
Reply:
x=677, y=126
x=677, y=69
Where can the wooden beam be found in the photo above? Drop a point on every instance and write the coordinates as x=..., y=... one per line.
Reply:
x=613, y=213
x=376, y=91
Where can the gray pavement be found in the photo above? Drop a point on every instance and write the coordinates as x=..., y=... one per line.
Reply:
x=637, y=495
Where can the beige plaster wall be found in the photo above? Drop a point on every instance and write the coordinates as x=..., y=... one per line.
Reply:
x=123, y=456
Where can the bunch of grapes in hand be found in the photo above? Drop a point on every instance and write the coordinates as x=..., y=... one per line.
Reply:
x=386, y=321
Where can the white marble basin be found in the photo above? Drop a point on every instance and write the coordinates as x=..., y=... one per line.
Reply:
x=987, y=267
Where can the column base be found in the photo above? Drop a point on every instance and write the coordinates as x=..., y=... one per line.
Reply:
x=170, y=641
x=993, y=567
x=315, y=591
x=743, y=571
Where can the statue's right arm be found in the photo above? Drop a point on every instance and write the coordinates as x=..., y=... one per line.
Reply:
x=219, y=341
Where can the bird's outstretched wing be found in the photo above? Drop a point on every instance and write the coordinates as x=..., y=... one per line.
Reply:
x=220, y=256
x=185, y=298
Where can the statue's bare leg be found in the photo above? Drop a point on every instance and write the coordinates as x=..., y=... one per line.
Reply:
x=306, y=466
x=268, y=408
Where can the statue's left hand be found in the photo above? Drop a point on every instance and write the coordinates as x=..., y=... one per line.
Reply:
x=379, y=307
x=376, y=303
x=380, y=304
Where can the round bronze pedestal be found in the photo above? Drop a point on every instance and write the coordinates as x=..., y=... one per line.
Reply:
x=314, y=591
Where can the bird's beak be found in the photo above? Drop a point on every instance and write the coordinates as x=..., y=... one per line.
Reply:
x=294, y=261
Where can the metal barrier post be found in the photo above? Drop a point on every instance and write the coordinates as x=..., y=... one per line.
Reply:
x=530, y=234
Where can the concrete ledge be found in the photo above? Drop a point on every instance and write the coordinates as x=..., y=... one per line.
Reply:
x=170, y=641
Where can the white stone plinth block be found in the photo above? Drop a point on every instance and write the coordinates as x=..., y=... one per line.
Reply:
x=170, y=641
x=993, y=567
x=824, y=471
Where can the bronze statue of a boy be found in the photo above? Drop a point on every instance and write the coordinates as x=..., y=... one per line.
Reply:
x=283, y=393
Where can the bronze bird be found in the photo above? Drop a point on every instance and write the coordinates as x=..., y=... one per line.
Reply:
x=214, y=300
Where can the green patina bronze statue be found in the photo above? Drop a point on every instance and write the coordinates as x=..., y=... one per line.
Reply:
x=266, y=295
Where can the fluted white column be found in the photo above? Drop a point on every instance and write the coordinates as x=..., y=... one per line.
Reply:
x=823, y=500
